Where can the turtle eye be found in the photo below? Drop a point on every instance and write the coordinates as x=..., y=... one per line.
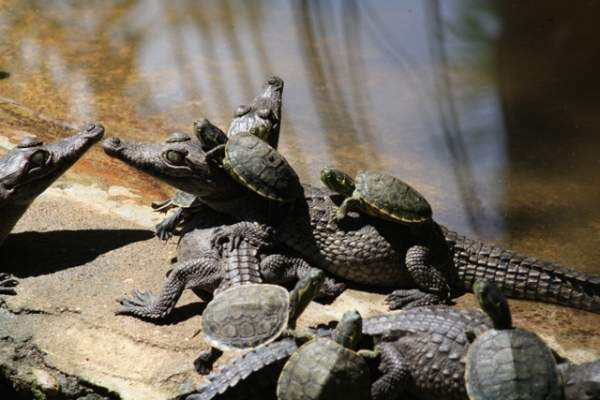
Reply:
x=175, y=157
x=38, y=158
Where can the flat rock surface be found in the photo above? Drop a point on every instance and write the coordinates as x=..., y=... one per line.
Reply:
x=75, y=257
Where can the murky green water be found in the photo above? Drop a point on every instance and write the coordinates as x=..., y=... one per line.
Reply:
x=489, y=108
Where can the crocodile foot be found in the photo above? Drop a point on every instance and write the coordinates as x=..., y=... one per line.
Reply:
x=7, y=283
x=166, y=228
x=140, y=304
x=411, y=298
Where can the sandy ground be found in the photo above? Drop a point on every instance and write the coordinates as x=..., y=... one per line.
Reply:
x=76, y=256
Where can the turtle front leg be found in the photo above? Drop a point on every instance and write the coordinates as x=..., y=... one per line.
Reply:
x=201, y=274
x=432, y=286
x=349, y=204
x=279, y=269
x=205, y=361
x=7, y=283
x=394, y=369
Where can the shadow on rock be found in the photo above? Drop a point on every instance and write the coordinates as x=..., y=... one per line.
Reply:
x=34, y=253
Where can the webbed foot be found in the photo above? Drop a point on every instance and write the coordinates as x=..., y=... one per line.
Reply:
x=331, y=289
x=204, y=363
x=140, y=304
x=411, y=298
x=7, y=283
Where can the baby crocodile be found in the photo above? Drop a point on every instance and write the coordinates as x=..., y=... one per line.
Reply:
x=424, y=269
x=431, y=341
x=28, y=169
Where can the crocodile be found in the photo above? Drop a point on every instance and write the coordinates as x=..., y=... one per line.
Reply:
x=421, y=269
x=262, y=118
x=29, y=169
x=431, y=342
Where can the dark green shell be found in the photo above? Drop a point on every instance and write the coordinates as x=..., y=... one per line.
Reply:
x=324, y=370
x=511, y=364
x=390, y=198
x=246, y=316
x=260, y=168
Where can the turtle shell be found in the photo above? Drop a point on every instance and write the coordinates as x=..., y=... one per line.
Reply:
x=324, y=370
x=246, y=316
x=390, y=198
x=259, y=167
x=511, y=364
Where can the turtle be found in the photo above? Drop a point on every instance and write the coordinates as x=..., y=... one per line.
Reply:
x=262, y=118
x=328, y=369
x=505, y=362
x=379, y=195
x=247, y=316
x=258, y=167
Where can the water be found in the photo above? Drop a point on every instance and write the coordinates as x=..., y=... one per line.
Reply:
x=488, y=108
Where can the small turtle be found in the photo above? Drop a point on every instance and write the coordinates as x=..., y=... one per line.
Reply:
x=258, y=167
x=328, y=369
x=379, y=195
x=251, y=315
x=508, y=363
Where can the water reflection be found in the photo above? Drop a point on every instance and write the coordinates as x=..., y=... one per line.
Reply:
x=490, y=117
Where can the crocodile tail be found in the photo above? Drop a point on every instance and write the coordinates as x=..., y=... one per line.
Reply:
x=522, y=277
x=252, y=375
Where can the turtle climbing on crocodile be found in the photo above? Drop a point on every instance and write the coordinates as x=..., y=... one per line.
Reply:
x=421, y=351
x=507, y=363
x=421, y=270
x=250, y=315
x=329, y=368
x=423, y=357
x=29, y=169
x=261, y=118
x=377, y=194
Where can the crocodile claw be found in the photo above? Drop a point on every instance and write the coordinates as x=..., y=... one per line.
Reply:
x=7, y=282
x=411, y=298
x=140, y=304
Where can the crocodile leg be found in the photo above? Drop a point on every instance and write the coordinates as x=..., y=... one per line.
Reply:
x=395, y=373
x=7, y=282
x=431, y=283
x=166, y=228
x=279, y=269
x=204, y=273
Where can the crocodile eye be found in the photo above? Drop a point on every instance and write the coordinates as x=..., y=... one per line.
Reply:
x=38, y=158
x=175, y=157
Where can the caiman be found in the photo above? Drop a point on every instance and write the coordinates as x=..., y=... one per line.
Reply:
x=421, y=269
x=422, y=357
x=29, y=169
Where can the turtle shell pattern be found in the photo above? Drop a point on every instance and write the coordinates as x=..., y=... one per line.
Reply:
x=260, y=168
x=246, y=316
x=511, y=364
x=390, y=198
x=324, y=370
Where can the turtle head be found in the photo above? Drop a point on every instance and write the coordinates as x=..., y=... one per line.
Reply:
x=493, y=302
x=178, y=161
x=305, y=290
x=337, y=181
x=209, y=135
x=348, y=332
x=27, y=170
